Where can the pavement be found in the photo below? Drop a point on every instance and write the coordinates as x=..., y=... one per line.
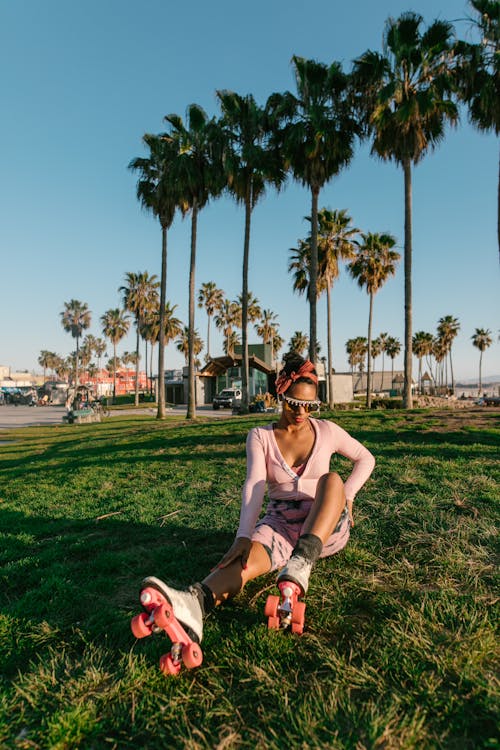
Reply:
x=13, y=417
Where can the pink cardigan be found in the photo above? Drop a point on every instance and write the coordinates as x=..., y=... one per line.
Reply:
x=266, y=465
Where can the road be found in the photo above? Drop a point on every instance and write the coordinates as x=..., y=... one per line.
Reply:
x=30, y=416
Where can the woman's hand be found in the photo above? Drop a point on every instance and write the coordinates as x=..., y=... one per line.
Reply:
x=239, y=550
x=349, y=510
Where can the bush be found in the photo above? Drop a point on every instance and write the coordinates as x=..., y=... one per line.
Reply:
x=387, y=403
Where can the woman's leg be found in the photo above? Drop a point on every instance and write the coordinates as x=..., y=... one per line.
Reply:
x=226, y=582
x=327, y=507
x=321, y=520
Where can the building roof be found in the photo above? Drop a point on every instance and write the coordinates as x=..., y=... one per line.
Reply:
x=219, y=365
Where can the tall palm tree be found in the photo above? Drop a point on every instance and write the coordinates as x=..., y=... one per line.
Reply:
x=158, y=192
x=481, y=339
x=448, y=328
x=45, y=360
x=140, y=296
x=182, y=344
x=392, y=348
x=335, y=243
x=404, y=98
x=228, y=317
x=211, y=298
x=172, y=327
x=479, y=74
x=422, y=346
x=75, y=318
x=198, y=169
x=383, y=339
x=231, y=341
x=376, y=351
x=357, y=349
x=298, y=343
x=315, y=130
x=115, y=325
x=250, y=166
x=100, y=350
x=267, y=326
x=375, y=261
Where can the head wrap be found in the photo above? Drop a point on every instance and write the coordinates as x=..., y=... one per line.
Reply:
x=285, y=379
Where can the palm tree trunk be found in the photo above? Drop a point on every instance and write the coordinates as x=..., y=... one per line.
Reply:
x=369, y=355
x=191, y=407
x=407, y=393
x=161, y=413
x=76, y=361
x=480, y=385
x=313, y=275
x=245, y=371
x=114, y=372
x=208, y=336
x=137, y=342
x=382, y=381
x=452, y=376
x=420, y=375
x=329, y=337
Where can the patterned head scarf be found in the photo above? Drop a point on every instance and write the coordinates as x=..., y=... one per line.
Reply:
x=285, y=380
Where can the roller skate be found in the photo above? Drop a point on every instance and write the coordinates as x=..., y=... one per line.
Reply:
x=162, y=606
x=286, y=611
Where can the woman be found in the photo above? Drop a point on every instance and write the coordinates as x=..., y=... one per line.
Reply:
x=309, y=514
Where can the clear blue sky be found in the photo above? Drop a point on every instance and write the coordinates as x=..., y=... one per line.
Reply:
x=81, y=84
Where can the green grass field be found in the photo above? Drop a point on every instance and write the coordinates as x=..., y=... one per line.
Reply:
x=400, y=648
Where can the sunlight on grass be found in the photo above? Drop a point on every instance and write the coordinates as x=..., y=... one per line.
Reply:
x=400, y=646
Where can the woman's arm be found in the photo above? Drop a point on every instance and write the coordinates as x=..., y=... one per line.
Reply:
x=252, y=497
x=363, y=460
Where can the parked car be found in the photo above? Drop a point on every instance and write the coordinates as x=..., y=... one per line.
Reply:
x=227, y=399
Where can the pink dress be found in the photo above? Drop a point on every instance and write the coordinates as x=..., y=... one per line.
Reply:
x=292, y=492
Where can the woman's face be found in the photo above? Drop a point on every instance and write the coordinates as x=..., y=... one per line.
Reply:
x=298, y=414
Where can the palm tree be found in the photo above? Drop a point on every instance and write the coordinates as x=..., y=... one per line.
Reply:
x=383, y=339
x=315, y=131
x=267, y=327
x=448, y=328
x=172, y=327
x=158, y=192
x=231, y=341
x=375, y=261
x=357, y=349
x=45, y=360
x=250, y=165
x=253, y=307
x=403, y=95
x=198, y=169
x=479, y=74
x=439, y=351
x=392, y=348
x=100, y=350
x=298, y=343
x=115, y=325
x=140, y=296
x=376, y=351
x=335, y=243
x=228, y=317
x=211, y=298
x=76, y=318
x=481, y=340
x=182, y=344
x=422, y=346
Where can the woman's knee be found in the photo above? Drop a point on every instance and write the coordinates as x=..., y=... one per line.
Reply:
x=331, y=483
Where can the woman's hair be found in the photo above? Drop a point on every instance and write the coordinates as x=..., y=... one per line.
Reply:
x=296, y=369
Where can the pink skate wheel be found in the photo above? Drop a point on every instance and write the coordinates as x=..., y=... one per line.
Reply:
x=273, y=623
x=140, y=628
x=271, y=608
x=192, y=655
x=168, y=666
x=162, y=617
x=298, y=616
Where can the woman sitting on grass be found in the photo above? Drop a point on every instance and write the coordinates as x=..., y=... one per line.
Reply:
x=309, y=514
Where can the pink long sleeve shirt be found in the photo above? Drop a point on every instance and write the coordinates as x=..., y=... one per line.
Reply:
x=266, y=466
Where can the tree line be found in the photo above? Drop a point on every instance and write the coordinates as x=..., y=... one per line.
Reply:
x=400, y=100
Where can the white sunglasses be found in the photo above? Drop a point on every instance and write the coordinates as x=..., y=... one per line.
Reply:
x=295, y=403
